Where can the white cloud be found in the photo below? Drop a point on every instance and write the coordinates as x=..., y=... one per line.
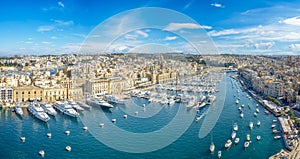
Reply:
x=45, y=28
x=60, y=4
x=179, y=26
x=142, y=33
x=53, y=37
x=168, y=38
x=291, y=21
x=223, y=32
x=46, y=42
x=218, y=5
x=63, y=23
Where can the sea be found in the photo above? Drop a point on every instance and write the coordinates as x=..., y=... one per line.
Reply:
x=92, y=144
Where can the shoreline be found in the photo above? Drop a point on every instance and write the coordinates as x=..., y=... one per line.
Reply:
x=288, y=152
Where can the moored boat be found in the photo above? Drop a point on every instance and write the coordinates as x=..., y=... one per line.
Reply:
x=219, y=154
x=235, y=127
x=237, y=140
x=38, y=112
x=228, y=143
x=250, y=124
x=99, y=102
x=48, y=109
x=18, y=110
x=233, y=134
x=246, y=144
x=258, y=137
x=248, y=137
x=65, y=108
x=277, y=137
x=258, y=123
x=212, y=147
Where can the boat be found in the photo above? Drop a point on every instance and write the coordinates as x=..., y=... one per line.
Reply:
x=212, y=147
x=242, y=115
x=99, y=103
x=66, y=108
x=48, y=109
x=243, y=105
x=83, y=105
x=22, y=138
x=75, y=106
x=49, y=135
x=237, y=140
x=68, y=148
x=233, y=134
x=38, y=112
x=101, y=125
x=114, y=100
x=197, y=119
x=257, y=110
x=246, y=144
x=274, y=121
x=267, y=112
x=275, y=131
x=85, y=128
x=249, y=106
x=256, y=105
x=210, y=99
x=250, y=124
x=67, y=132
x=248, y=137
x=255, y=114
x=235, y=127
x=273, y=125
x=42, y=153
x=219, y=154
x=203, y=104
x=192, y=103
x=236, y=101
x=258, y=137
x=114, y=120
x=277, y=137
x=125, y=116
x=18, y=110
x=258, y=123
x=228, y=143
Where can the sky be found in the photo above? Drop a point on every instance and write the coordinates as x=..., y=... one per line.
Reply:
x=267, y=27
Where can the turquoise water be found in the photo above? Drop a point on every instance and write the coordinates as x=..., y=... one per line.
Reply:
x=84, y=145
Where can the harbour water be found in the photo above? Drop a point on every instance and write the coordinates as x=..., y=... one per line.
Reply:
x=85, y=145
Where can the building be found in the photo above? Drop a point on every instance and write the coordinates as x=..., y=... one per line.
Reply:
x=27, y=94
x=6, y=95
x=96, y=86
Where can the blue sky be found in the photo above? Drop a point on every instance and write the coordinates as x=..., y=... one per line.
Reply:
x=235, y=26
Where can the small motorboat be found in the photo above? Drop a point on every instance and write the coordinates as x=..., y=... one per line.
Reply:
x=42, y=153
x=49, y=135
x=67, y=132
x=246, y=144
x=258, y=137
x=228, y=144
x=68, y=148
x=219, y=154
x=22, y=139
x=237, y=140
x=85, y=128
x=258, y=123
x=212, y=147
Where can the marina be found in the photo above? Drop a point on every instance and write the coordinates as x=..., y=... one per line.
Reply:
x=200, y=149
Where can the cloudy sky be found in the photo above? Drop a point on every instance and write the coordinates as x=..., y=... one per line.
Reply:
x=235, y=26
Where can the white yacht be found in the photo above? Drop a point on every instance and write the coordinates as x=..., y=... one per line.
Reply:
x=251, y=125
x=273, y=125
x=99, y=102
x=212, y=147
x=235, y=127
x=219, y=154
x=258, y=137
x=18, y=110
x=48, y=109
x=113, y=99
x=258, y=123
x=255, y=114
x=242, y=115
x=65, y=109
x=233, y=134
x=38, y=112
x=228, y=144
x=257, y=110
x=277, y=137
x=236, y=101
x=75, y=105
x=246, y=144
x=83, y=105
x=237, y=140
